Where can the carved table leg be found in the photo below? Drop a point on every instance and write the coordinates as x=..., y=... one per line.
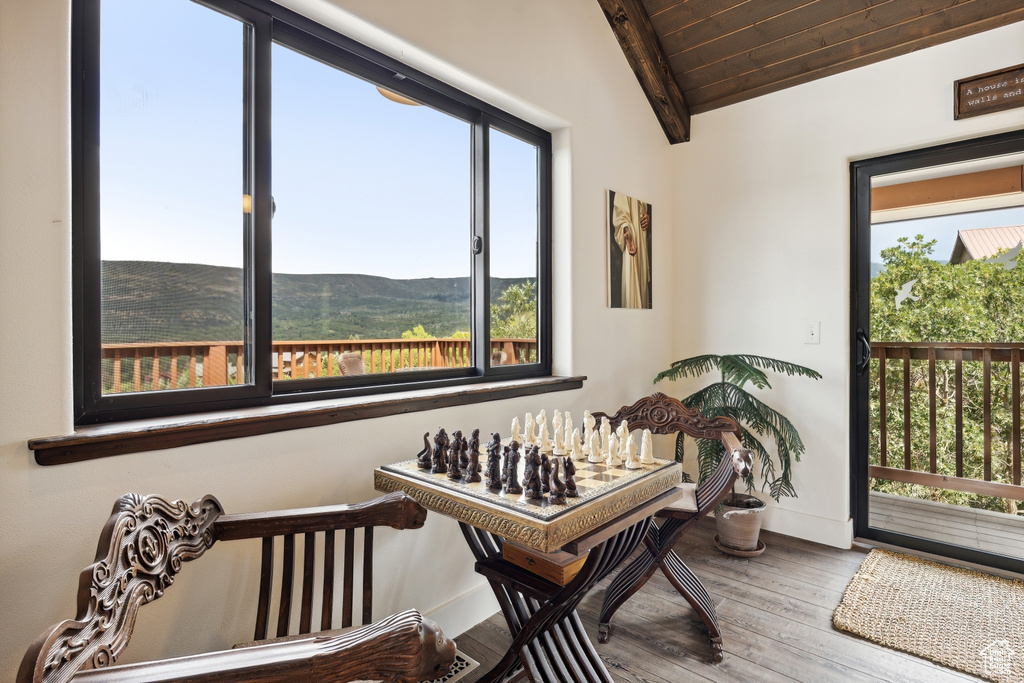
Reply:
x=548, y=639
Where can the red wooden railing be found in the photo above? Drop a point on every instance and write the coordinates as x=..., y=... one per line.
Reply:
x=192, y=364
x=178, y=365
x=918, y=371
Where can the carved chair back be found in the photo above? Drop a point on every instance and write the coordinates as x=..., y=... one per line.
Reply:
x=146, y=540
x=141, y=549
x=666, y=415
x=352, y=363
x=282, y=531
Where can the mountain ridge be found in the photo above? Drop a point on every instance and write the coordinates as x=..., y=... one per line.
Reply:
x=155, y=301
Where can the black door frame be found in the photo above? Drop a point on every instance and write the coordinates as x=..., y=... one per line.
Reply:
x=861, y=173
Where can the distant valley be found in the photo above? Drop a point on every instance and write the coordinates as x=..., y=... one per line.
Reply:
x=148, y=301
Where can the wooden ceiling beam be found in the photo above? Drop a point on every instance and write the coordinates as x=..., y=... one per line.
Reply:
x=633, y=30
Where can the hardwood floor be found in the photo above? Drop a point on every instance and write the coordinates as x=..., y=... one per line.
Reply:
x=776, y=616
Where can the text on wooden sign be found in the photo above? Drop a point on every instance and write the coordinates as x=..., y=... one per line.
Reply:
x=987, y=93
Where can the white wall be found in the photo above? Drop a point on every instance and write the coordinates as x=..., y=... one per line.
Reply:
x=552, y=62
x=763, y=231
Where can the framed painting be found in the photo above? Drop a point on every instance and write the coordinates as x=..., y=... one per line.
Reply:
x=629, y=251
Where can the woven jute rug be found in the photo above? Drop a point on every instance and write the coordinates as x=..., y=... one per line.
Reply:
x=964, y=619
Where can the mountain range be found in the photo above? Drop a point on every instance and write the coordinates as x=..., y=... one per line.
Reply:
x=150, y=301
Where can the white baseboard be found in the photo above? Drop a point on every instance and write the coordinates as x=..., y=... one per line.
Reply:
x=834, y=532
x=462, y=613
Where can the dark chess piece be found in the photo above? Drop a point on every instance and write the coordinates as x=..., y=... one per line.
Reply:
x=493, y=473
x=506, y=459
x=423, y=459
x=439, y=463
x=473, y=470
x=512, y=470
x=463, y=453
x=474, y=442
x=531, y=474
x=570, y=478
x=454, y=471
x=545, y=477
x=557, y=487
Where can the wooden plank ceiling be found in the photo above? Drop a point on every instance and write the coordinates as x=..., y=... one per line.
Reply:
x=693, y=56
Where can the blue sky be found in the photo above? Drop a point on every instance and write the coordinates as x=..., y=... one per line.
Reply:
x=940, y=228
x=362, y=184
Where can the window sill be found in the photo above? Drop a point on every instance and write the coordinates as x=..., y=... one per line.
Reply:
x=101, y=441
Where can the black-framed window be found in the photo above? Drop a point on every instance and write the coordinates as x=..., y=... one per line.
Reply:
x=267, y=211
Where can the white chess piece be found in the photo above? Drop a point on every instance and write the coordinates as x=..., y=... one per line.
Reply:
x=606, y=437
x=594, y=446
x=630, y=455
x=613, y=459
x=622, y=433
x=577, y=447
x=646, y=448
x=517, y=431
x=543, y=438
x=556, y=421
x=558, y=447
x=588, y=430
x=567, y=432
x=527, y=439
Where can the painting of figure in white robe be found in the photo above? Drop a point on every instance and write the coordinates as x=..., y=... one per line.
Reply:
x=629, y=252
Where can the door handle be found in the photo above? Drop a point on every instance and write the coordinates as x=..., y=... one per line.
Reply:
x=865, y=347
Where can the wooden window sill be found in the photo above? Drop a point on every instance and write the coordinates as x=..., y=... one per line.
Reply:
x=101, y=441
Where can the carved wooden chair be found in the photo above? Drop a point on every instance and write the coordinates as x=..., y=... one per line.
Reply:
x=351, y=363
x=142, y=548
x=666, y=415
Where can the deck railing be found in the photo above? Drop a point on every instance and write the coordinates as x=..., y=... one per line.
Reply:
x=146, y=367
x=965, y=388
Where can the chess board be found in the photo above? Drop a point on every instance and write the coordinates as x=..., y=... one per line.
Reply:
x=604, y=492
x=592, y=480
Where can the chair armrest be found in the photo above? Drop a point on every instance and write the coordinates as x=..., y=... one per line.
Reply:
x=397, y=510
x=404, y=647
x=732, y=442
x=736, y=462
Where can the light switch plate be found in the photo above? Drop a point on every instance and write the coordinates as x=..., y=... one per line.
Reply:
x=812, y=333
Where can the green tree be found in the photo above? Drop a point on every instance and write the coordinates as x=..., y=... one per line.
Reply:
x=976, y=301
x=514, y=315
x=416, y=332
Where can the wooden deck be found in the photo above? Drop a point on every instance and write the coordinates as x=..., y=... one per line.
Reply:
x=775, y=611
x=981, y=529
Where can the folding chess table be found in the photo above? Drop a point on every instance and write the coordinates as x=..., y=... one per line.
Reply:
x=599, y=529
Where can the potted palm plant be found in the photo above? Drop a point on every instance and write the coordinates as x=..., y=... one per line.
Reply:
x=739, y=518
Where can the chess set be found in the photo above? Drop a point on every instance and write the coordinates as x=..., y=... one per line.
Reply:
x=530, y=471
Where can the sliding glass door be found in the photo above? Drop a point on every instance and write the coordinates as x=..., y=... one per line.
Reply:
x=938, y=334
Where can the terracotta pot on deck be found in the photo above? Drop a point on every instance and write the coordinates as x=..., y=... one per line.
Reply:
x=739, y=525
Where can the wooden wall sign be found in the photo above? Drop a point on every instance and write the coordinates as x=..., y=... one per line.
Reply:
x=987, y=93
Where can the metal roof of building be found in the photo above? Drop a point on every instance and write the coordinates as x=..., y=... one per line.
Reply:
x=980, y=243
